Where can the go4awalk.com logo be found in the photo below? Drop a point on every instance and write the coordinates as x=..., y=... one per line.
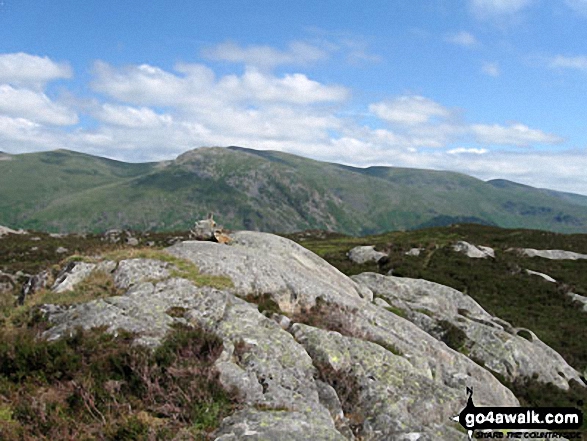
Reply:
x=520, y=422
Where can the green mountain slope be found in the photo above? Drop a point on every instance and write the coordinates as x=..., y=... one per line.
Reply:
x=263, y=190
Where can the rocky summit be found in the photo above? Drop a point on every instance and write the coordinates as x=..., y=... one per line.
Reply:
x=310, y=353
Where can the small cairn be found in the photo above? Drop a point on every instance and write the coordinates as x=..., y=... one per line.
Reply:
x=207, y=229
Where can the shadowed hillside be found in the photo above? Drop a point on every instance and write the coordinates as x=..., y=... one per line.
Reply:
x=64, y=191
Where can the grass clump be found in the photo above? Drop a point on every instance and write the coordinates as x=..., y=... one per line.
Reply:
x=396, y=311
x=265, y=303
x=453, y=336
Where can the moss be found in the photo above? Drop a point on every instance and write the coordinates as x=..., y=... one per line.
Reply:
x=388, y=347
x=5, y=413
x=396, y=311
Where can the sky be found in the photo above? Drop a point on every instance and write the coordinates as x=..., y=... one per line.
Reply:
x=489, y=88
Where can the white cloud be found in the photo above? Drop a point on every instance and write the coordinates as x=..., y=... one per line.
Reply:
x=150, y=86
x=491, y=69
x=148, y=113
x=266, y=56
x=514, y=134
x=460, y=150
x=30, y=70
x=563, y=62
x=462, y=38
x=409, y=110
x=35, y=106
x=497, y=8
x=132, y=117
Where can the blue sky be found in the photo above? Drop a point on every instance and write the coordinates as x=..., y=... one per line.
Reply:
x=490, y=88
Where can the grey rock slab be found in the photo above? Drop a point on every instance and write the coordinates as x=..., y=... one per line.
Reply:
x=276, y=425
x=544, y=276
x=262, y=263
x=475, y=252
x=392, y=397
x=579, y=298
x=132, y=271
x=6, y=230
x=488, y=339
x=551, y=254
x=365, y=254
x=76, y=272
x=73, y=274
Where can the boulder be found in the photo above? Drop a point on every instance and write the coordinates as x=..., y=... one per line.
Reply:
x=365, y=254
x=204, y=229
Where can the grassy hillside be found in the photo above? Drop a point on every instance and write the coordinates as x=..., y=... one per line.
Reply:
x=261, y=190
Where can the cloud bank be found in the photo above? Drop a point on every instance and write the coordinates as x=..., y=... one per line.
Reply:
x=143, y=112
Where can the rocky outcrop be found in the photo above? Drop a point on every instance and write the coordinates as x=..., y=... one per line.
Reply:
x=365, y=254
x=544, y=276
x=550, y=254
x=475, y=252
x=457, y=319
x=5, y=230
x=327, y=362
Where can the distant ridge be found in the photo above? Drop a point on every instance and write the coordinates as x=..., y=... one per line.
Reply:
x=65, y=191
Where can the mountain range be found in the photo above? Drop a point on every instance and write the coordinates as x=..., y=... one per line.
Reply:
x=67, y=191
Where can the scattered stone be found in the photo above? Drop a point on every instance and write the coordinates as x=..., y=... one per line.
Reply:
x=132, y=241
x=415, y=252
x=34, y=248
x=544, y=276
x=475, y=252
x=113, y=235
x=365, y=254
x=36, y=238
x=61, y=250
x=7, y=282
